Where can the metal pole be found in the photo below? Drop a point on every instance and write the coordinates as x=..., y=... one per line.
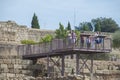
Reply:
x=63, y=65
x=77, y=64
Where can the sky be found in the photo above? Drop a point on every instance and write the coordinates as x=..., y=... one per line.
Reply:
x=52, y=12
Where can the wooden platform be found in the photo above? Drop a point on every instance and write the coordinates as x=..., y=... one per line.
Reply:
x=63, y=47
x=58, y=47
x=66, y=52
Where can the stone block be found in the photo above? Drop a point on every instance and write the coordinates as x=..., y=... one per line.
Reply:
x=24, y=67
x=13, y=61
x=17, y=71
x=27, y=72
x=10, y=75
x=6, y=61
x=3, y=78
x=36, y=67
x=4, y=66
x=3, y=57
x=1, y=61
x=11, y=70
x=3, y=74
x=10, y=66
x=26, y=62
x=19, y=75
x=5, y=70
x=17, y=66
x=27, y=67
x=13, y=52
x=18, y=61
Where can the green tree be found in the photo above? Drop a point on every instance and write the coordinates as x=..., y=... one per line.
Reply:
x=100, y=24
x=69, y=26
x=61, y=32
x=116, y=39
x=84, y=26
x=35, y=23
x=106, y=24
x=97, y=27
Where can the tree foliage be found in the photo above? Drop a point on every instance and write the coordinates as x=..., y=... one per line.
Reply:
x=61, y=33
x=68, y=26
x=28, y=42
x=106, y=24
x=47, y=38
x=99, y=24
x=97, y=27
x=116, y=39
x=35, y=23
x=85, y=26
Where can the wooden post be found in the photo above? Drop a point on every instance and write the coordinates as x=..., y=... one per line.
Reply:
x=91, y=70
x=63, y=65
x=77, y=64
x=48, y=71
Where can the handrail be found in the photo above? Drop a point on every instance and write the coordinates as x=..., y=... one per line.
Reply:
x=59, y=44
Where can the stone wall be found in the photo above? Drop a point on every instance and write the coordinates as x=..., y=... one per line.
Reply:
x=12, y=66
x=103, y=70
x=12, y=32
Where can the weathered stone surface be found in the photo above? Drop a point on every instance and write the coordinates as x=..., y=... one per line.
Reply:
x=28, y=62
x=13, y=67
x=10, y=75
x=10, y=66
x=12, y=32
x=17, y=66
x=4, y=66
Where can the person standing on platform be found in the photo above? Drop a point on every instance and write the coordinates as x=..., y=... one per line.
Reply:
x=81, y=41
x=73, y=37
x=92, y=38
x=88, y=41
x=96, y=40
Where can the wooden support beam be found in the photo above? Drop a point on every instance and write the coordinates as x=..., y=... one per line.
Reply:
x=48, y=71
x=34, y=61
x=63, y=65
x=91, y=70
x=77, y=64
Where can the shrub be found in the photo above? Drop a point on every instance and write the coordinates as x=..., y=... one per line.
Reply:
x=28, y=42
x=116, y=39
x=47, y=38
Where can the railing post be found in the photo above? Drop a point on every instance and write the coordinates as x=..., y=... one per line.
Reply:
x=110, y=44
x=103, y=43
x=39, y=48
x=50, y=46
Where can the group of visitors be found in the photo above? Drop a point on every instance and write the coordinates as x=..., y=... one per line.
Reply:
x=90, y=41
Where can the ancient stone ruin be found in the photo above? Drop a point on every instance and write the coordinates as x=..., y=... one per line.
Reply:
x=13, y=67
